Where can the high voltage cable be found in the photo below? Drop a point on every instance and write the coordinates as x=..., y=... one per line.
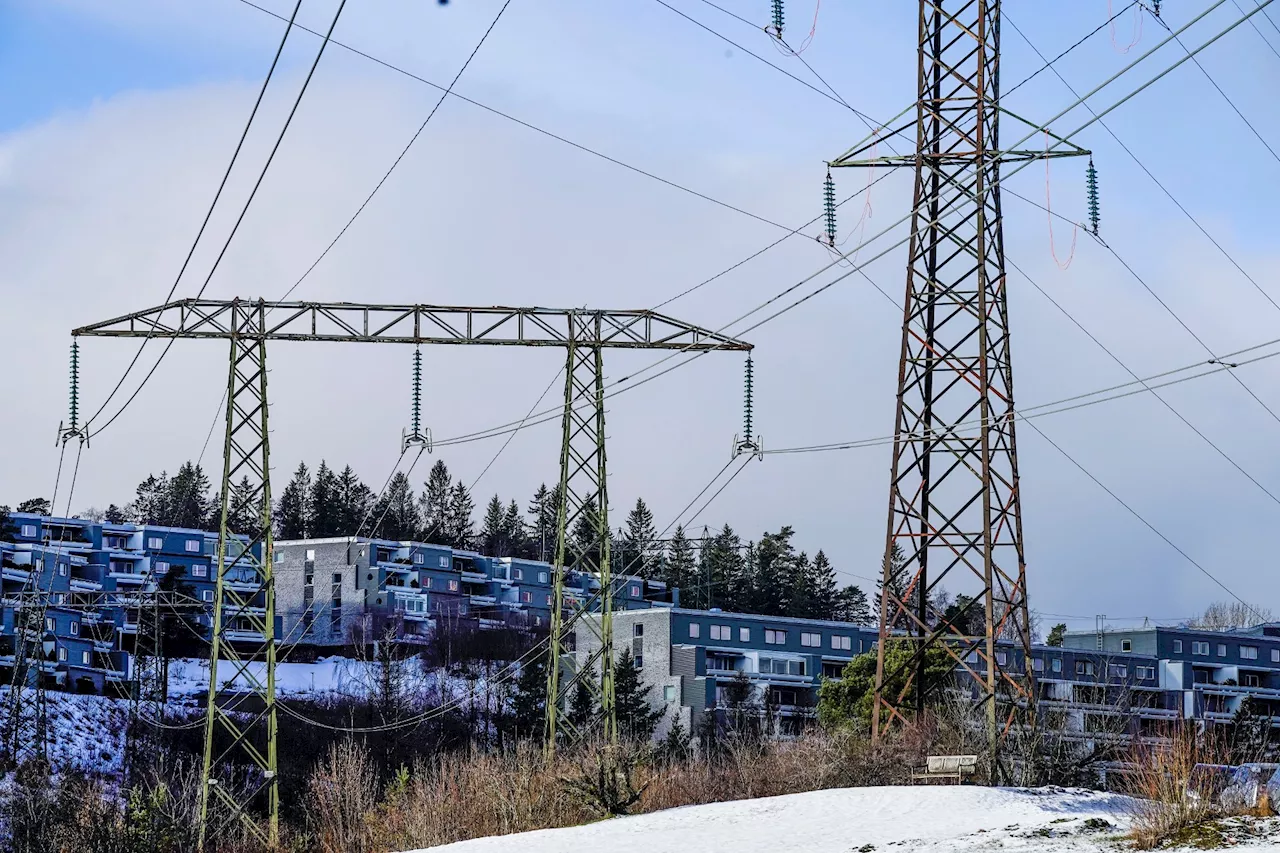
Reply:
x=1261, y=35
x=244, y=210
x=208, y=214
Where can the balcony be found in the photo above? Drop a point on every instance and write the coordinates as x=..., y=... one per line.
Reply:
x=475, y=577
x=483, y=599
x=84, y=585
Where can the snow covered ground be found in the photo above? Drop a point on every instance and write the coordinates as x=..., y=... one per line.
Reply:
x=939, y=819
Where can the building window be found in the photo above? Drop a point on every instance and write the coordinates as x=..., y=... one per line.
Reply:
x=526, y=597
x=1177, y=647
x=810, y=640
x=417, y=558
x=1084, y=667
x=1118, y=670
x=1250, y=679
x=29, y=530
x=155, y=542
x=193, y=546
x=75, y=629
x=637, y=630
x=542, y=577
x=161, y=566
x=49, y=623
x=778, y=666
x=1126, y=645
x=453, y=586
x=1000, y=658
x=1275, y=655
x=86, y=658
x=843, y=644
x=427, y=583
x=695, y=630
x=1199, y=647
x=744, y=635
x=635, y=591
x=1249, y=652
x=638, y=661
x=775, y=638
x=311, y=553
x=1057, y=665
x=277, y=556
x=1145, y=673
x=1222, y=650
x=199, y=570
x=1037, y=664
x=517, y=574
x=669, y=693
x=206, y=595
x=721, y=632
x=548, y=599
x=62, y=654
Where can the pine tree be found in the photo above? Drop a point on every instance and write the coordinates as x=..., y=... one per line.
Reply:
x=637, y=555
x=355, y=501
x=188, y=503
x=323, y=511
x=636, y=719
x=38, y=506
x=493, y=539
x=826, y=588
x=292, y=512
x=774, y=561
x=679, y=569
x=395, y=515
x=461, y=530
x=851, y=606
x=1057, y=635
x=114, y=515
x=434, y=504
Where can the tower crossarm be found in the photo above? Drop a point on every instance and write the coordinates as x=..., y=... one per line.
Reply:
x=413, y=324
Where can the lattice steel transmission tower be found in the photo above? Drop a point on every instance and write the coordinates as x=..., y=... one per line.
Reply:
x=954, y=503
x=244, y=598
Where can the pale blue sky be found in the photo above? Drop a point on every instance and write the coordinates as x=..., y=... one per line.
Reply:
x=120, y=117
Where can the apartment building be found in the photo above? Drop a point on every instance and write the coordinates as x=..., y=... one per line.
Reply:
x=326, y=588
x=89, y=647
x=1111, y=685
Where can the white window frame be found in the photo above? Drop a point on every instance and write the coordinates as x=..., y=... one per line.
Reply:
x=517, y=574
x=721, y=632
x=29, y=530
x=635, y=591
x=62, y=570
x=775, y=637
x=75, y=629
x=1126, y=645
x=695, y=630
x=1001, y=658
x=155, y=543
x=669, y=693
x=50, y=624
x=1197, y=645
x=206, y=595
x=744, y=635
x=1222, y=650
x=162, y=566
x=1118, y=670
x=417, y=559
x=1057, y=665
x=1249, y=652
x=1037, y=664
x=199, y=570
x=311, y=554
x=810, y=640
x=193, y=546
x=526, y=597
x=542, y=577
x=1177, y=647
x=453, y=586
x=1275, y=655
x=62, y=654
x=86, y=657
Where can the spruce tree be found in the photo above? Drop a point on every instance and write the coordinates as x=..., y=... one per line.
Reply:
x=188, y=503
x=244, y=515
x=513, y=530
x=114, y=515
x=434, y=504
x=826, y=589
x=493, y=540
x=323, y=511
x=395, y=516
x=636, y=719
x=585, y=535
x=542, y=525
x=851, y=606
x=896, y=561
x=355, y=502
x=151, y=504
x=529, y=702
x=461, y=530
x=582, y=706
x=637, y=551
x=775, y=571
x=722, y=577
x=292, y=513
x=679, y=571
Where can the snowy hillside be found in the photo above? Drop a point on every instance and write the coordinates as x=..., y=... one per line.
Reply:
x=852, y=820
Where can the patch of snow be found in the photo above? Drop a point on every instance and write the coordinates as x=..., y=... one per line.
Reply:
x=926, y=819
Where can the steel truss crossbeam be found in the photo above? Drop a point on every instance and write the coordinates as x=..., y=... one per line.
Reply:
x=954, y=503
x=249, y=608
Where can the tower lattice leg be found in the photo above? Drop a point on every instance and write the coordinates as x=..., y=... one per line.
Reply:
x=954, y=508
x=582, y=545
x=240, y=729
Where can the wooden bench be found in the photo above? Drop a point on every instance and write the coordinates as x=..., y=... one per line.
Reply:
x=947, y=768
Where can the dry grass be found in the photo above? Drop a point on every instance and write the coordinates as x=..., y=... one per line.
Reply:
x=1169, y=798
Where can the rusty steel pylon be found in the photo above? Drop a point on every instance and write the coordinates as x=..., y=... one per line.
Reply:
x=954, y=504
